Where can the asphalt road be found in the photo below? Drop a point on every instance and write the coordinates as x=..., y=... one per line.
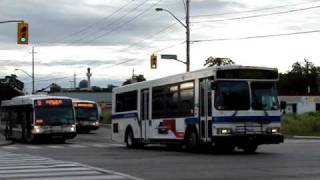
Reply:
x=294, y=159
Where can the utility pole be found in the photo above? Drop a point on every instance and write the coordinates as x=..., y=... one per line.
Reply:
x=33, y=83
x=75, y=80
x=185, y=25
x=188, y=35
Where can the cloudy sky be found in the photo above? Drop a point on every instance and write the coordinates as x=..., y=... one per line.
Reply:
x=115, y=37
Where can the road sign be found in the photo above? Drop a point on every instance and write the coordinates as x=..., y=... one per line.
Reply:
x=169, y=56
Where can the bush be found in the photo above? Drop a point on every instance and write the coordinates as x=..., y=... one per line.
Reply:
x=106, y=117
x=307, y=124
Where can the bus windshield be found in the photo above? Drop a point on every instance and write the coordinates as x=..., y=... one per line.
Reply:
x=86, y=114
x=54, y=116
x=264, y=96
x=232, y=95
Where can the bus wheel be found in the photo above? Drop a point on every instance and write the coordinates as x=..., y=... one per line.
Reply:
x=191, y=140
x=28, y=136
x=7, y=135
x=129, y=139
x=250, y=148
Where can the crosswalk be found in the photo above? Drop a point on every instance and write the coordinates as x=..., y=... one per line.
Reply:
x=29, y=167
x=59, y=146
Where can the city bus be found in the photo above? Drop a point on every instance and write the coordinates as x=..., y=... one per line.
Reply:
x=35, y=117
x=87, y=115
x=226, y=107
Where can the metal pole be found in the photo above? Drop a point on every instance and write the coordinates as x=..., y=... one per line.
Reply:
x=187, y=36
x=33, y=87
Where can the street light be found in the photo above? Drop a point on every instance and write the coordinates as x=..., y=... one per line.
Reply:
x=186, y=25
x=32, y=77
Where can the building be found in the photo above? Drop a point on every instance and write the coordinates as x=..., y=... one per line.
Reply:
x=10, y=87
x=301, y=104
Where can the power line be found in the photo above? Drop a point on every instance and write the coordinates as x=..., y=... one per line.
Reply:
x=90, y=26
x=52, y=79
x=259, y=15
x=111, y=23
x=253, y=10
x=256, y=37
x=123, y=24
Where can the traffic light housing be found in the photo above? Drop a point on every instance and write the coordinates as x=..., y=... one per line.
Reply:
x=23, y=33
x=153, y=61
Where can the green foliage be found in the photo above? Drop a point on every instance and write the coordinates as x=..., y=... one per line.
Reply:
x=303, y=77
x=307, y=124
x=106, y=117
x=134, y=79
x=211, y=61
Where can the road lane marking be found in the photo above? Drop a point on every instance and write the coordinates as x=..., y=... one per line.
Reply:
x=29, y=167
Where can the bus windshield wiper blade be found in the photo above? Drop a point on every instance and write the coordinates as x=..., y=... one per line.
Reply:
x=265, y=112
x=235, y=113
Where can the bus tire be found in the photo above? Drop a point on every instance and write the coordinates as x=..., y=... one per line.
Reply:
x=250, y=148
x=28, y=137
x=7, y=135
x=129, y=138
x=191, y=140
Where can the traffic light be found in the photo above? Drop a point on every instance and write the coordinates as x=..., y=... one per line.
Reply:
x=23, y=33
x=153, y=61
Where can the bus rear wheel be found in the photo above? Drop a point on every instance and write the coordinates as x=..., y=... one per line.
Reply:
x=191, y=140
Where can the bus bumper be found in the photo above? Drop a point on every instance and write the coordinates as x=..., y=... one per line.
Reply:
x=240, y=140
x=66, y=135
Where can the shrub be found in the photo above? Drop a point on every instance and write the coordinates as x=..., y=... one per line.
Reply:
x=307, y=124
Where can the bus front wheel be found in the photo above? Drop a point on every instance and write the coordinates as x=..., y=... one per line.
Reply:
x=129, y=139
x=7, y=135
x=28, y=136
x=250, y=148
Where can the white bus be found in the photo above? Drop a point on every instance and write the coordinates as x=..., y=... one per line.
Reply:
x=87, y=115
x=228, y=107
x=34, y=117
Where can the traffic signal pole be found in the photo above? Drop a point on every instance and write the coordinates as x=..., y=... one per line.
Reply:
x=11, y=21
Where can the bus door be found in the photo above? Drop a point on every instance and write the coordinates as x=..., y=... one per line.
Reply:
x=144, y=111
x=205, y=97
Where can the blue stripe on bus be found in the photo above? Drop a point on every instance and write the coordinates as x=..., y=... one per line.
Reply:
x=230, y=119
x=192, y=120
x=125, y=115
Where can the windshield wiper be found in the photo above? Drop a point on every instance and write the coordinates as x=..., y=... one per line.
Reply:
x=235, y=113
x=265, y=112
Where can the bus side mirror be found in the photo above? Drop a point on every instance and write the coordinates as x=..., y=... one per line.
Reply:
x=283, y=105
x=214, y=85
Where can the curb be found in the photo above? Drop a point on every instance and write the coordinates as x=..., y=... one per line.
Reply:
x=303, y=137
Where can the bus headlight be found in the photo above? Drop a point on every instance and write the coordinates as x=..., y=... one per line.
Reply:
x=73, y=128
x=224, y=130
x=37, y=129
x=95, y=124
x=273, y=130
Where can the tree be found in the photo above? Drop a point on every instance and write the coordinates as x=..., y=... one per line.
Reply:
x=134, y=79
x=301, y=80
x=211, y=61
